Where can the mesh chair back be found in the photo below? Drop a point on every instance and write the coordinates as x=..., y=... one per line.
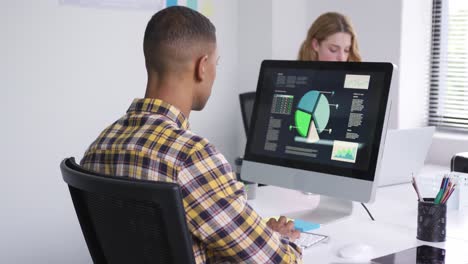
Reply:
x=129, y=221
x=247, y=104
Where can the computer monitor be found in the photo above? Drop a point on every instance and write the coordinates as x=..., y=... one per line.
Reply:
x=404, y=155
x=318, y=127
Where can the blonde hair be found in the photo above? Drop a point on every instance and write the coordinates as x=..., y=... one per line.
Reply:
x=325, y=25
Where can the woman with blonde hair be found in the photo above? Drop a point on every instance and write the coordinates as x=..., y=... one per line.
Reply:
x=330, y=38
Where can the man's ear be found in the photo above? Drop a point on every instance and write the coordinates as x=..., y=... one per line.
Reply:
x=200, y=68
x=315, y=45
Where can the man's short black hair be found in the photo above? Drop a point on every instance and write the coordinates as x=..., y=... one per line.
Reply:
x=174, y=35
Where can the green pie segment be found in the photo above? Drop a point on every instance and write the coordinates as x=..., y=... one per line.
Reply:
x=302, y=122
x=313, y=110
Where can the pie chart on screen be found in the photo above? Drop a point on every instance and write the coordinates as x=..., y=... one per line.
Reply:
x=311, y=116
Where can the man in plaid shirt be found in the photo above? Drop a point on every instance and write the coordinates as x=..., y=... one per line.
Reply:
x=153, y=141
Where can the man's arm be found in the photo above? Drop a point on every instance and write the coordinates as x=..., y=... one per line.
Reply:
x=219, y=216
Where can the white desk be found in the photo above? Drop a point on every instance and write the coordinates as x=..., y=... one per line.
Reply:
x=394, y=209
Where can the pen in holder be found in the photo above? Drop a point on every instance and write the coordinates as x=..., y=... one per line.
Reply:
x=432, y=220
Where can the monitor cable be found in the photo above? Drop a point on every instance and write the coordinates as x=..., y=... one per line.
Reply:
x=367, y=210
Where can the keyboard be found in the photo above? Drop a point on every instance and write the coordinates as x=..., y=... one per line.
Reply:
x=309, y=239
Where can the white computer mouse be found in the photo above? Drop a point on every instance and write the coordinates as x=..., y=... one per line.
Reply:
x=355, y=251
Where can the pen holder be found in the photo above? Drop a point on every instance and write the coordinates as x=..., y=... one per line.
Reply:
x=432, y=220
x=427, y=254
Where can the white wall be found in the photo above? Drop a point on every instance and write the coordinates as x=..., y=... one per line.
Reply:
x=415, y=59
x=289, y=27
x=255, y=38
x=66, y=73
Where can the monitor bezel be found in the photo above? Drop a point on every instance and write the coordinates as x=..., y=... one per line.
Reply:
x=355, y=67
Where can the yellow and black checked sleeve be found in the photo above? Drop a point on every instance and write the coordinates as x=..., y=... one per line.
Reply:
x=220, y=218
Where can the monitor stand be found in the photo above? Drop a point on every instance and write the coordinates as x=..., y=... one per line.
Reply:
x=324, y=209
x=274, y=201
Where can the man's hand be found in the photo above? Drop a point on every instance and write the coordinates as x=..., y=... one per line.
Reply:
x=284, y=227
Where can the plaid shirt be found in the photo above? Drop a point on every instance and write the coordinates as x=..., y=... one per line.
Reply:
x=153, y=142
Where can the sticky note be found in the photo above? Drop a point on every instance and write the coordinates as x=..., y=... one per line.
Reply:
x=171, y=3
x=301, y=225
x=305, y=226
x=207, y=8
x=193, y=4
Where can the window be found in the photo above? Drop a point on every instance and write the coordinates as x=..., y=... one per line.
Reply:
x=448, y=93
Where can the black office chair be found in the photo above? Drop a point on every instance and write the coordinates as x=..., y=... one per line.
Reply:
x=247, y=103
x=129, y=221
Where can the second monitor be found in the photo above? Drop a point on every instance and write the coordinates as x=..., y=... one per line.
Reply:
x=318, y=127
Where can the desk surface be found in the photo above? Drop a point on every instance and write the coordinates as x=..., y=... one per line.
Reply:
x=394, y=209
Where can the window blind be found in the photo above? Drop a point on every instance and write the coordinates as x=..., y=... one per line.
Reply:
x=448, y=91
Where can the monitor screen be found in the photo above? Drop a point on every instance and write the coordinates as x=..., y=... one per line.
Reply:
x=325, y=117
